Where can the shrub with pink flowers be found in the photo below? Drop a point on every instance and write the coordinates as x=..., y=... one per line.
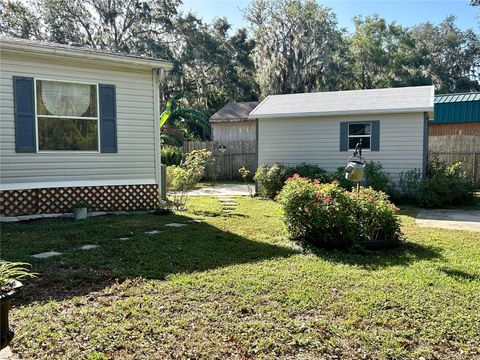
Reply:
x=330, y=216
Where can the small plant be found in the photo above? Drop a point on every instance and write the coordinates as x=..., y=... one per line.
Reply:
x=11, y=271
x=182, y=179
x=307, y=170
x=162, y=210
x=376, y=178
x=410, y=186
x=244, y=172
x=270, y=179
x=171, y=155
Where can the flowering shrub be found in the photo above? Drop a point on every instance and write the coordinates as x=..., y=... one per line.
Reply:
x=375, y=216
x=328, y=215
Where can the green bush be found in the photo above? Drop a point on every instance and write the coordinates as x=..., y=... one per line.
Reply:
x=410, y=186
x=171, y=155
x=181, y=179
x=306, y=170
x=375, y=216
x=445, y=184
x=376, y=178
x=330, y=216
x=270, y=179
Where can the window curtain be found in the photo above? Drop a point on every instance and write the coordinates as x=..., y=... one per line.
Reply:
x=66, y=99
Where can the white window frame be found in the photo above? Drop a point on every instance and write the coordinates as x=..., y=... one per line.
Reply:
x=359, y=136
x=67, y=117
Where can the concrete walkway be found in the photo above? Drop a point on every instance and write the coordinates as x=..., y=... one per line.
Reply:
x=223, y=190
x=450, y=219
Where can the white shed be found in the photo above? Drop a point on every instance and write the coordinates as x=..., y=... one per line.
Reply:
x=77, y=125
x=323, y=128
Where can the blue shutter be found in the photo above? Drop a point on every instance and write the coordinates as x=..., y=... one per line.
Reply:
x=108, y=118
x=344, y=136
x=375, y=140
x=24, y=114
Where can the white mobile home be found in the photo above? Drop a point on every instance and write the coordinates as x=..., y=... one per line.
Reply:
x=323, y=128
x=77, y=125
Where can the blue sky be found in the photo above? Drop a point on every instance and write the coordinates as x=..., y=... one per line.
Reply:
x=407, y=12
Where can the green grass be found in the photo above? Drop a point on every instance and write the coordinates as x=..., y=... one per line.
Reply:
x=235, y=286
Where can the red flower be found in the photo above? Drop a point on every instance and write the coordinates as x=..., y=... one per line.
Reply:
x=326, y=200
x=318, y=195
x=316, y=181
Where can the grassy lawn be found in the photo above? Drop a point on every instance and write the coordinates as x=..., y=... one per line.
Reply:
x=235, y=286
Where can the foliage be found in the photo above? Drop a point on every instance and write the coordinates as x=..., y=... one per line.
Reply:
x=183, y=119
x=298, y=46
x=328, y=215
x=455, y=68
x=383, y=55
x=270, y=179
x=375, y=216
x=445, y=184
x=307, y=170
x=410, y=186
x=183, y=178
x=294, y=46
x=171, y=155
x=376, y=178
x=244, y=172
x=212, y=168
x=10, y=271
x=163, y=210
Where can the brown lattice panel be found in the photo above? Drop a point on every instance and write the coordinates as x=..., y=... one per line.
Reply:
x=61, y=200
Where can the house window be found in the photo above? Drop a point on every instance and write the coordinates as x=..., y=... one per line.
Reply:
x=67, y=116
x=359, y=132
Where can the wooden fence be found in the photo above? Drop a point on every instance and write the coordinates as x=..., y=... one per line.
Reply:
x=236, y=155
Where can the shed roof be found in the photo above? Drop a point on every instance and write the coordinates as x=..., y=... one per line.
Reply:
x=374, y=101
x=82, y=52
x=234, y=111
x=457, y=108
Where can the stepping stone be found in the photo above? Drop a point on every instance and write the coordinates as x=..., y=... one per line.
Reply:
x=47, y=254
x=88, y=247
x=175, y=225
x=152, y=232
x=124, y=238
x=228, y=203
x=195, y=221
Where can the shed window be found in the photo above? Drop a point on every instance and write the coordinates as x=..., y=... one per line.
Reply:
x=67, y=116
x=359, y=132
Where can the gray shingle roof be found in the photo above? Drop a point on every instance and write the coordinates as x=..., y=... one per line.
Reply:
x=234, y=111
x=390, y=100
x=27, y=44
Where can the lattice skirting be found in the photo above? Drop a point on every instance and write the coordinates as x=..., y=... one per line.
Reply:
x=61, y=200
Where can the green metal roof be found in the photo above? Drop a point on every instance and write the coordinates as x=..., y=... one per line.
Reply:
x=457, y=108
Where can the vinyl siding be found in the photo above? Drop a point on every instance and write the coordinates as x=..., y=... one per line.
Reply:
x=316, y=140
x=135, y=159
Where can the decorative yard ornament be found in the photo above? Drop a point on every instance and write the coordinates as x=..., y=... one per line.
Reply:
x=356, y=165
